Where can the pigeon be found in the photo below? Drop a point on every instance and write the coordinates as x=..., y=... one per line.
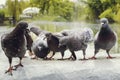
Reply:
x=104, y=39
x=29, y=41
x=40, y=47
x=76, y=40
x=37, y=31
x=53, y=44
x=14, y=44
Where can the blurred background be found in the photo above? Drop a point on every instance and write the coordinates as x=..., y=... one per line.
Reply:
x=56, y=15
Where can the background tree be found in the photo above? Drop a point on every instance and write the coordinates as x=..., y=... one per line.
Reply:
x=14, y=9
x=42, y=4
x=104, y=8
x=2, y=16
x=62, y=8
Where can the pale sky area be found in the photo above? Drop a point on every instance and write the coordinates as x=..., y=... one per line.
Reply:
x=2, y=1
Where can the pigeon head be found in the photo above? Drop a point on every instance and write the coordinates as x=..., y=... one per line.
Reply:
x=36, y=30
x=20, y=28
x=27, y=31
x=22, y=25
x=104, y=21
x=105, y=27
x=48, y=36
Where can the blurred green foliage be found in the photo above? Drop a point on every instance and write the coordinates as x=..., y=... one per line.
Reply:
x=14, y=8
x=66, y=10
x=2, y=16
x=62, y=8
x=105, y=8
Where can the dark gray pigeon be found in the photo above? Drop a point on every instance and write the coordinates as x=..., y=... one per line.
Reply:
x=105, y=39
x=37, y=31
x=53, y=44
x=76, y=40
x=14, y=44
x=29, y=41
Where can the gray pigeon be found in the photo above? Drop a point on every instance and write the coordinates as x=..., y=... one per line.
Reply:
x=76, y=40
x=53, y=44
x=105, y=39
x=37, y=31
x=40, y=47
x=14, y=44
x=29, y=41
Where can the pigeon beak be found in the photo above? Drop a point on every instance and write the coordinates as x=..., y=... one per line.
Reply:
x=28, y=30
x=102, y=23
